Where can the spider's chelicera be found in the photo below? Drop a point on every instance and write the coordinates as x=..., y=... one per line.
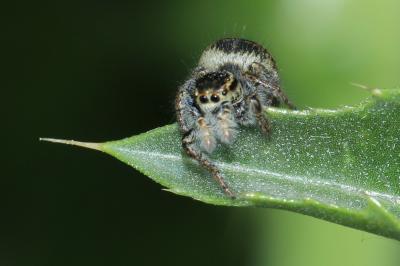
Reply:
x=233, y=83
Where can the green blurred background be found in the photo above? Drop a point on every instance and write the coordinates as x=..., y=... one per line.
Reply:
x=103, y=70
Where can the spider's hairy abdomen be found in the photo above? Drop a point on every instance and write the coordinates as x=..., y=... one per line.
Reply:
x=235, y=51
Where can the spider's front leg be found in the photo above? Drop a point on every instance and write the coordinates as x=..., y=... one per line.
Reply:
x=195, y=134
x=190, y=147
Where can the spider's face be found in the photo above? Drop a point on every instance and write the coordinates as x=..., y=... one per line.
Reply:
x=216, y=88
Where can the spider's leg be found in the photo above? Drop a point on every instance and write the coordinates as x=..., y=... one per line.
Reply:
x=259, y=74
x=192, y=126
x=189, y=145
x=262, y=120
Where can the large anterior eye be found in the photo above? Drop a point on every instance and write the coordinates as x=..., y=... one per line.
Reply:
x=215, y=98
x=203, y=99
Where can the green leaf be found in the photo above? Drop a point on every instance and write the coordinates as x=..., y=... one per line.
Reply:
x=338, y=165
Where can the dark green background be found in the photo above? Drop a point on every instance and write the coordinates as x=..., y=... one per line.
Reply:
x=104, y=70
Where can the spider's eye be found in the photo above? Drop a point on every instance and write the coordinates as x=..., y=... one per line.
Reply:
x=224, y=92
x=233, y=85
x=203, y=99
x=215, y=98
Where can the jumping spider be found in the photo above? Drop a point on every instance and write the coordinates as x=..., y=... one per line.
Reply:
x=234, y=82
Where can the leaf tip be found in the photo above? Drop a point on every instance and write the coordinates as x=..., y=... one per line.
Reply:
x=88, y=145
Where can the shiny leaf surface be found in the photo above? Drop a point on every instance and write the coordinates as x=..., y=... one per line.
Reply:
x=338, y=165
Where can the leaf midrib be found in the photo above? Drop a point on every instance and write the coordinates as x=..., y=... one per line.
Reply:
x=237, y=167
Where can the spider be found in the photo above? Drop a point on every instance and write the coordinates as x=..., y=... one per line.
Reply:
x=234, y=82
